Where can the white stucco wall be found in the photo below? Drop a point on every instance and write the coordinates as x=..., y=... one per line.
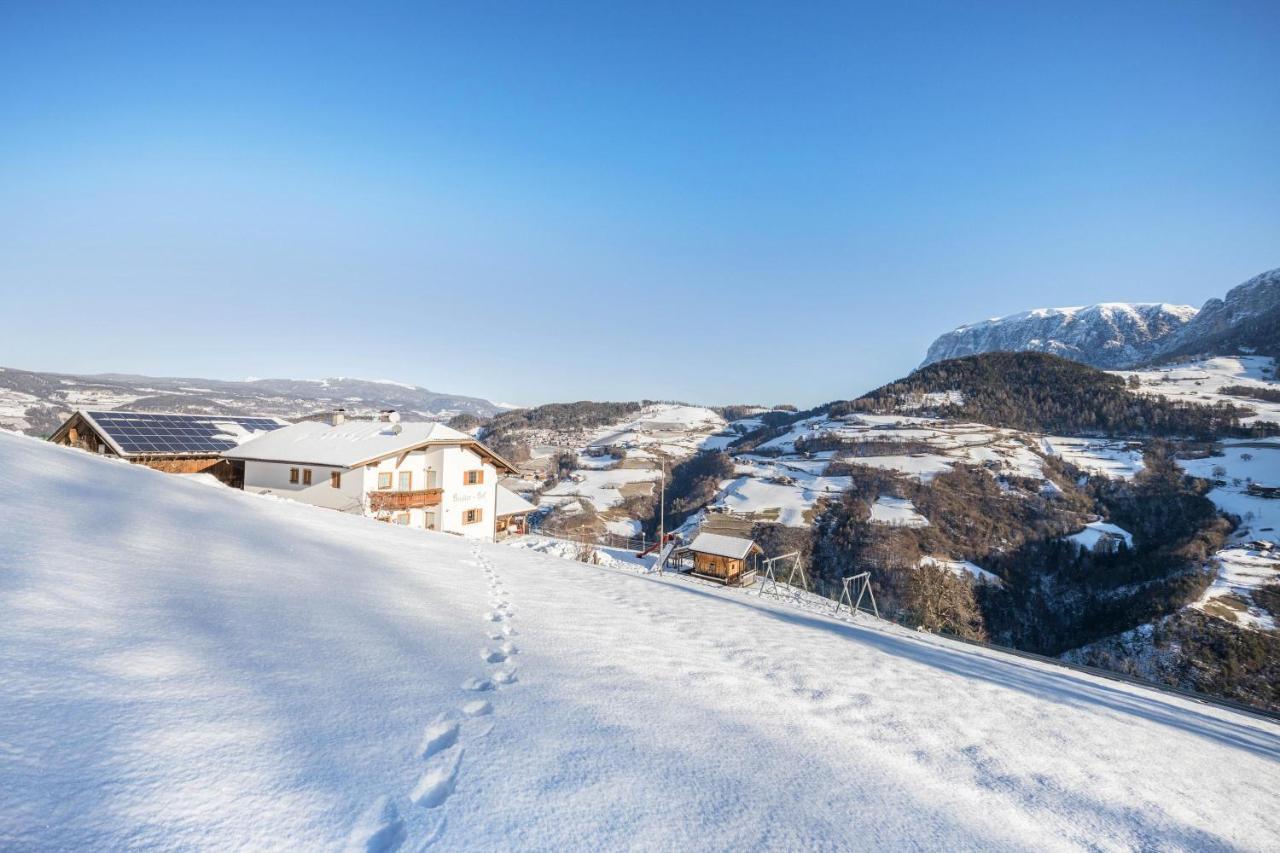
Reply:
x=425, y=468
x=273, y=478
x=459, y=497
x=440, y=467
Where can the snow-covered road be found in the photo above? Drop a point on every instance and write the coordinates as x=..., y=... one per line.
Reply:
x=182, y=665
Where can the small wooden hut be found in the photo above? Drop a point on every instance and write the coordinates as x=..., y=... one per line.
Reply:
x=730, y=560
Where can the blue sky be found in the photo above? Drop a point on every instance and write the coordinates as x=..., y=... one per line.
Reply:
x=535, y=202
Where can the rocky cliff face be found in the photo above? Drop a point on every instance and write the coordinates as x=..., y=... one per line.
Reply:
x=1109, y=335
x=1247, y=318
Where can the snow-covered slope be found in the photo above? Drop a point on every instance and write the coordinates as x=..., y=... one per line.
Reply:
x=185, y=666
x=1108, y=335
x=1203, y=381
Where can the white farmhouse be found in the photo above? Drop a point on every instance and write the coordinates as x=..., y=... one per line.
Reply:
x=418, y=474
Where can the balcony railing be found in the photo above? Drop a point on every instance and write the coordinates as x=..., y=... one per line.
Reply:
x=394, y=500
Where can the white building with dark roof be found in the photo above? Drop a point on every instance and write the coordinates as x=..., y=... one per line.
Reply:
x=418, y=474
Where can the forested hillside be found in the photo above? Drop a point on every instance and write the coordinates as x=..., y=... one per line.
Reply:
x=1044, y=393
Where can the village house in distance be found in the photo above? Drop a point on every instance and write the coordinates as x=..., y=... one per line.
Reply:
x=423, y=475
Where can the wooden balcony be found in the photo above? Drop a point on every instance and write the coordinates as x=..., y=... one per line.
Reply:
x=393, y=500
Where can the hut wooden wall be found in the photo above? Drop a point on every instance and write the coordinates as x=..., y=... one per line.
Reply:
x=720, y=567
x=229, y=472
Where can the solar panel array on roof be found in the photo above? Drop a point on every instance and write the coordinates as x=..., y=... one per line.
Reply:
x=140, y=432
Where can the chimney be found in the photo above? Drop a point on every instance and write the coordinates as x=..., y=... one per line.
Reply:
x=389, y=416
x=339, y=417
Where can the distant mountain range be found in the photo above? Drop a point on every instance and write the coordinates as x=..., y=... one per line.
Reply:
x=1120, y=335
x=1110, y=335
x=37, y=402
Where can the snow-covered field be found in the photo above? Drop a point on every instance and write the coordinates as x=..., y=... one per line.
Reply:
x=1244, y=463
x=962, y=568
x=1241, y=571
x=186, y=667
x=1094, y=531
x=1005, y=452
x=1098, y=456
x=896, y=512
x=778, y=489
x=674, y=429
x=604, y=489
x=13, y=405
x=1202, y=381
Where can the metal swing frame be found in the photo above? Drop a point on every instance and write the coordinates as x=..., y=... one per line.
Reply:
x=864, y=588
x=770, y=583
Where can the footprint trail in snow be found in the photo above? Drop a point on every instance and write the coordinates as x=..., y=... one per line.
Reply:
x=380, y=828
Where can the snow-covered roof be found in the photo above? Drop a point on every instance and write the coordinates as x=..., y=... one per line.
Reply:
x=352, y=443
x=721, y=545
x=509, y=503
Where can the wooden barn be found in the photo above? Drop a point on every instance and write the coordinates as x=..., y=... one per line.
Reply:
x=174, y=443
x=729, y=560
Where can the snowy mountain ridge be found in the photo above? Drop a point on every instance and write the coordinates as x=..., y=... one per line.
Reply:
x=1121, y=335
x=1108, y=335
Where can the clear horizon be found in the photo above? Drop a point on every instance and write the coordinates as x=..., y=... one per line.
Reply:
x=722, y=204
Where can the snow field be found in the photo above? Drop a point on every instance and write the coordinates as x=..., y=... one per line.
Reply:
x=1095, y=530
x=188, y=667
x=1202, y=381
x=604, y=489
x=675, y=430
x=1102, y=457
x=1246, y=462
x=1241, y=571
x=1005, y=452
x=780, y=490
x=896, y=512
x=962, y=568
